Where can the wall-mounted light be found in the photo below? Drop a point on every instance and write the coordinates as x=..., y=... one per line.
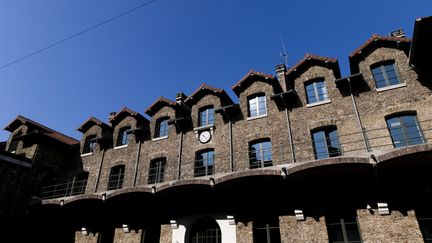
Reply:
x=174, y=224
x=126, y=228
x=104, y=197
x=383, y=209
x=299, y=214
x=84, y=231
x=212, y=181
x=153, y=189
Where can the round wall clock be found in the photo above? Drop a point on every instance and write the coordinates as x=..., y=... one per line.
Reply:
x=204, y=137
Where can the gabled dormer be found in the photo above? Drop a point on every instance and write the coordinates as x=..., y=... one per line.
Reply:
x=313, y=79
x=96, y=135
x=126, y=122
x=382, y=61
x=204, y=102
x=26, y=133
x=161, y=111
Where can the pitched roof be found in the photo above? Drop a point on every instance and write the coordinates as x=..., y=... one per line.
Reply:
x=91, y=122
x=158, y=104
x=204, y=89
x=124, y=112
x=310, y=59
x=376, y=41
x=46, y=130
x=242, y=83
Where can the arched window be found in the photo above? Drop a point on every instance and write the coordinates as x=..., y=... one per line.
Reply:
x=122, y=138
x=316, y=91
x=116, y=176
x=205, y=230
x=257, y=105
x=385, y=74
x=260, y=154
x=206, y=116
x=405, y=130
x=156, y=171
x=162, y=127
x=326, y=142
x=204, y=163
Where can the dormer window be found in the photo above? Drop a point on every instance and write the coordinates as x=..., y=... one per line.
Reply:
x=122, y=138
x=161, y=127
x=385, y=74
x=257, y=105
x=316, y=91
x=206, y=116
x=89, y=144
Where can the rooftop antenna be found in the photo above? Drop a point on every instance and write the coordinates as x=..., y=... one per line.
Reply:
x=284, y=55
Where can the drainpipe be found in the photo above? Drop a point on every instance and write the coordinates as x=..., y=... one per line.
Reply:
x=99, y=172
x=180, y=156
x=136, y=163
x=231, y=145
x=363, y=132
x=290, y=134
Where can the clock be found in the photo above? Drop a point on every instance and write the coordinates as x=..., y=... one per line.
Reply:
x=204, y=137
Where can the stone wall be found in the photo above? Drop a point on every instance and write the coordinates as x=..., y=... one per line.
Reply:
x=396, y=227
x=309, y=230
x=244, y=232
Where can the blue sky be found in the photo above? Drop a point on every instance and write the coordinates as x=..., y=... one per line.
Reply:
x=167, y=47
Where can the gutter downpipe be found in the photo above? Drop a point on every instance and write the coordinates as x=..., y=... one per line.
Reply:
x=99, y=171
x=136, y=163
x=289, y=131
x=363, y=132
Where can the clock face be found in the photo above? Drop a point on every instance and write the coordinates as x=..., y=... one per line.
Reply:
x=204, y=137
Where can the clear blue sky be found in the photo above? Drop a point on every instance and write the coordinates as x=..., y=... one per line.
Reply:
x=167, y=47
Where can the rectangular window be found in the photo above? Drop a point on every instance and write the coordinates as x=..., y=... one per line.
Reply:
x=257, y=106
x=260, y=154
x=266, y=231
x=385, y=74
x=89, y=144
x=162, y=127
x=116, y=177
x=424, y=219
x=405, y=130
x=206, y=116
x=343, y=230
x=157, y=171
x=316, y=91
x=122, y=138
x=204, y=163
x=326, y=143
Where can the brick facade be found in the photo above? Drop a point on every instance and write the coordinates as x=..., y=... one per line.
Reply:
x=365, y=174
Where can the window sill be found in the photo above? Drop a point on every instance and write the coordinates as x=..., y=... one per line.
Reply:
x=121, y=146
x=207, y=127
x=256, y=117
x=86, y=154
x=391, y=87
x=318, y=103
x=160, y=138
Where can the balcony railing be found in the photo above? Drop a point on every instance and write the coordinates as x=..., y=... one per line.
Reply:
x=67, y=189
x=349, y=144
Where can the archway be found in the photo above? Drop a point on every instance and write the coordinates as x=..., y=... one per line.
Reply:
x=205, y=230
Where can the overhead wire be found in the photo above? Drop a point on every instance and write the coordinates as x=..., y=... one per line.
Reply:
x=77, y=34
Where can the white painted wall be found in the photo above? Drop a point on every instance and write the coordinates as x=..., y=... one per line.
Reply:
x=185, y=223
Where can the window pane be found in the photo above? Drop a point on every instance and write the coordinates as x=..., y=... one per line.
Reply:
x=310, y=93
x=204, y=163
x=320, y=145
x=261, y=105
x=405, y=130
x=385, y=75
x=210, y=116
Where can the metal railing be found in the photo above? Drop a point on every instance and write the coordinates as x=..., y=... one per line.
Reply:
x=348, y=144
x=70, y=188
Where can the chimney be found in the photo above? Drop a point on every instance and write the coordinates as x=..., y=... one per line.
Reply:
x=111, y=115
x=400, y=33
x=180, y=98
x=280, y=72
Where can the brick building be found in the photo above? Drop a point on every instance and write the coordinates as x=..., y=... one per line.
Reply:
x=304, y=156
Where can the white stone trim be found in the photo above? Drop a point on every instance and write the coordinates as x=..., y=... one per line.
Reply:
x=256, y=117
x=86, y=154
x=395, y=86
x=160, y=138
x=121, y=146
x=319, y=103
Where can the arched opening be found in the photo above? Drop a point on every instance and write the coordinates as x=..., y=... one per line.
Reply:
x=205, y=230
